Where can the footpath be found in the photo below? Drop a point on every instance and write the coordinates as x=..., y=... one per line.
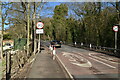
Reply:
x=45, y=67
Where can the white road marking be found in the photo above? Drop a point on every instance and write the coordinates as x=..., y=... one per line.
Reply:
x=103, y=63
x=75, y=62
x=98, y=60
x=90, y=54
x=88, y=64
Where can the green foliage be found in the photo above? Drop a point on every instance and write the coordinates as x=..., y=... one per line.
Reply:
x=60, y=11
x=96, y=23
x=93, y=24
x=7, y=36
x=59, y=22
x=20, y=43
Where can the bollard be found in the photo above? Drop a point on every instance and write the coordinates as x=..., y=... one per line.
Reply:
x=90, y=46
x=51, y=48
x=75, y=43
x=81, y=44
x=54, y=53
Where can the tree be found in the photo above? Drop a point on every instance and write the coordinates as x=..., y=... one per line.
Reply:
x=48, y=28
x=18, y=20
x=96, y=22
x=59, y=21
x=3, y=17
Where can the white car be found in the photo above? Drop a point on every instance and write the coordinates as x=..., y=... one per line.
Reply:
x=7, y=46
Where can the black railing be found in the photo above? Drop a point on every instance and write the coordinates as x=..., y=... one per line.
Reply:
x=106, y=50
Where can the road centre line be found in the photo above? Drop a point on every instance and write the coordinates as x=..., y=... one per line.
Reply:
x=103, y=63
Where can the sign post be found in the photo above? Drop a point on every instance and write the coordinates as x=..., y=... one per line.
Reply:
x=115, y=29
x=39, y=31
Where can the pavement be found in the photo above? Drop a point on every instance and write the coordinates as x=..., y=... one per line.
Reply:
x=45, y=67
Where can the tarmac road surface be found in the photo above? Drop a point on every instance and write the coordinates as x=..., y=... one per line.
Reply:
x=88, y=64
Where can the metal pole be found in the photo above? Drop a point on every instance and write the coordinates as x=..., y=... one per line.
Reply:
x=115, y=42
x=39, y=44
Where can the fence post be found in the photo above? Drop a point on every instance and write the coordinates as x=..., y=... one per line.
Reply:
x=8, y=65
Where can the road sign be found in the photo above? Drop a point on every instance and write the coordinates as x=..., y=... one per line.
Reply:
x=115, y=28
x=39, y=31
x=40, y=25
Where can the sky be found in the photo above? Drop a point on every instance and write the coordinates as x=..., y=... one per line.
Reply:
x=49, y=12
x=45, y=12
x=60, y=0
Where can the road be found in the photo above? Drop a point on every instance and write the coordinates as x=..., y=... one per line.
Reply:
x=88, y=64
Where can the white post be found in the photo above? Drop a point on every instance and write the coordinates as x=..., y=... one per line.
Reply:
x=75, y=43
x=90, y=46
x=81, y=44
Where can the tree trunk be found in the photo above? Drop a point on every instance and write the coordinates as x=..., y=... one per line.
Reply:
x=28, y=29
x=1, y=36
x=34, y=28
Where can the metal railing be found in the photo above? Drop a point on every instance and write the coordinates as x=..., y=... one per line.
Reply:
x=106, y=50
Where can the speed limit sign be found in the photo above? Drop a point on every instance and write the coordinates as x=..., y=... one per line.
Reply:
x=115, y=28
x=40, y=25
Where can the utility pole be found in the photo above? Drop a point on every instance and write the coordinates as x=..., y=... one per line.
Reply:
x=28, y=29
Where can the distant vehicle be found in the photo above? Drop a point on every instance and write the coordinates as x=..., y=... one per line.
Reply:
x=7, y=46
x=56, y=43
